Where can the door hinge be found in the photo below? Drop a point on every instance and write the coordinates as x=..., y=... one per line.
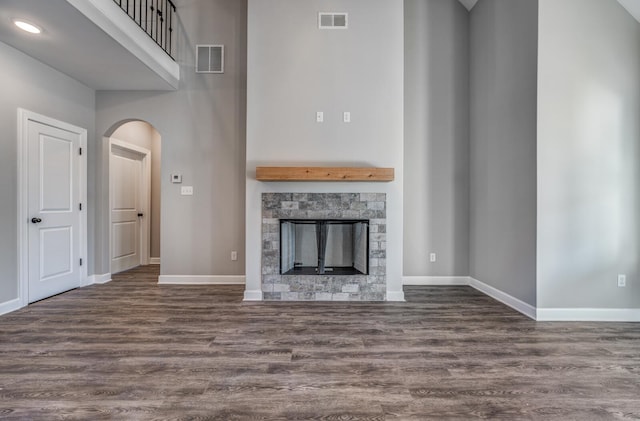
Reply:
x=80, y=262
x=80, y=206
x=80, y=151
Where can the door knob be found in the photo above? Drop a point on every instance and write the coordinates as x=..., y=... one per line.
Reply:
x=36, y=220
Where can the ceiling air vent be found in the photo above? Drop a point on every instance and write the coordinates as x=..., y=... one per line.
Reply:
x=333, y=20
x=209, y=58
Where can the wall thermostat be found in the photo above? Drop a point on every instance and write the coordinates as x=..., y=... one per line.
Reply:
x=176, y=178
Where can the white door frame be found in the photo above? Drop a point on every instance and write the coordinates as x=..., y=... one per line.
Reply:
x=145, y=192
x=24, y=116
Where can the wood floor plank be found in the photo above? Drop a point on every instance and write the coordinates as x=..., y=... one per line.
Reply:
x=135, y=350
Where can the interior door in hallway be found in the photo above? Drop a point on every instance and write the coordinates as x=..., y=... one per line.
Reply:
x=128, y=207
x=53, y=206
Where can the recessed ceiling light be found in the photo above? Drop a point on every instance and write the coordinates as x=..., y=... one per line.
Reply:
x=26, y=26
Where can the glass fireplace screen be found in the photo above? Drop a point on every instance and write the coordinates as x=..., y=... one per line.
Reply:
x=324, y=247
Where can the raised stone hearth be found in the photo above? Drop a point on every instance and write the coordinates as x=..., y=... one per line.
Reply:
x=327, y=287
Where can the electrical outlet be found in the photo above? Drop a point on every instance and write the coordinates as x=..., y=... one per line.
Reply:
x=622, y=281
x=234, y=255
x=346, y=117
x=186, y=190
x=432, y=257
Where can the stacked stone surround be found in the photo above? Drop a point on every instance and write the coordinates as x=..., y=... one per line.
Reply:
x=277, y=287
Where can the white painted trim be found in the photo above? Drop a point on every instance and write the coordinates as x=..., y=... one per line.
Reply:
x=513, y=302
x=100, y=279
x=85, y=282
x=112, y=20
x=436, y=280
x=9, y=306
x=145, y=193
x=154, y=260
x=588, y=314
x=201, y=280
x=252, y=295
x=395, y=296
x=84, y=199
x=23, y=243
x=539, y=314
x=518, y=305
x=24, y=116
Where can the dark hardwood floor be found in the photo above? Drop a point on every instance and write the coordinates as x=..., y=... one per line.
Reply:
x=133, y=350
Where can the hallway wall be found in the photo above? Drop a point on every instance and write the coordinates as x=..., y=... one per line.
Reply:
x=588, y=155
x=29, y=84
x=203, y=137
x=436, y=141
x=504, y=54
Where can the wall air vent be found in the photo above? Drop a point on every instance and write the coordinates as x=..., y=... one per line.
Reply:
x=333, y=20
x=209, y=58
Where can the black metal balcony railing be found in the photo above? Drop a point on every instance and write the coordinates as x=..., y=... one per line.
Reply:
x=155, y=17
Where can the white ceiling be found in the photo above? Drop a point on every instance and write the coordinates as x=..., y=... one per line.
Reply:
x=469, y=3
x=632, y=6
x=74, y=45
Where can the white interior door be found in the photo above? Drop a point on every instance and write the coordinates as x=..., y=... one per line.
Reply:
x=127, y=192
x=53, y=206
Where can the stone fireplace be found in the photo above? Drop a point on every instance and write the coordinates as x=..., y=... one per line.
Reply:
x=324, y=246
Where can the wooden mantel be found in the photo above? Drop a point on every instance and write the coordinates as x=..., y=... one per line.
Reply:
x=324, y=174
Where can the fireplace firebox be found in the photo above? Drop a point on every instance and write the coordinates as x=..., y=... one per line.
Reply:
x=349, y=229
x=324, y=247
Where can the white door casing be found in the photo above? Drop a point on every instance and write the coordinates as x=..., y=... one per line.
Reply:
x=51, y=190
x=129, y=196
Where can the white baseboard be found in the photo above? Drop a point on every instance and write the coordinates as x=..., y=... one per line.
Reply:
x=99, y=279
x=253, y=295
x=539, y=314
x=154, y=260
x=513, y=302
x=201, y=280
x=395, y=296
x=9, y=306
x=588, y=314
x=516, y=304
x=435, y=280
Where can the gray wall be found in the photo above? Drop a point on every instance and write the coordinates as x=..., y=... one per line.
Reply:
x=436, y=154
x=504, y=36
x=588, y=155
x=203, y=137
x=296, y=69
x=143, y=134
x=29, y=84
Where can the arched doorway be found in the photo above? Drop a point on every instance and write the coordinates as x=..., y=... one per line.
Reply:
x=134, y=182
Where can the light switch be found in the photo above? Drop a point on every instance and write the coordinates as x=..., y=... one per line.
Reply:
x=186, y=190
x=319, y=117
